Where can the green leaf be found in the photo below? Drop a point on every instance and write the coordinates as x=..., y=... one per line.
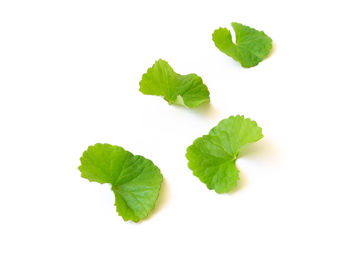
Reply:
x=135, y=180
x=251, y=47
x=212, y=157
x=162, y=80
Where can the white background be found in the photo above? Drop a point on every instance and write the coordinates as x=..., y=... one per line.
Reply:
x=69, y=74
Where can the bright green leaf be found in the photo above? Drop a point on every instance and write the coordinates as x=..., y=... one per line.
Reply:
x=251, y=46
x=162, y=80
x=212, y=157
x=135, y=180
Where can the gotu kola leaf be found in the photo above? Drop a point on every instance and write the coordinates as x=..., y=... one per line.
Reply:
x=212, y=157
x=162, y=80
x=135, y=180
x=251, y=46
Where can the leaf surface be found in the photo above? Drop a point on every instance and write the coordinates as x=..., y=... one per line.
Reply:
x=212, y=157
x=135, y=180
x=162, y=80
x=251, y=46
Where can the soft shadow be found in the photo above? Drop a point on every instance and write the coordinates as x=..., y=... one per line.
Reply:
x=273, y=50
x=261, y=149
x=241, y=183
x=162, y=200
x=207, y=110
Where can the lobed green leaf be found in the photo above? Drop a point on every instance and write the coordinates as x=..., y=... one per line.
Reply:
x=135, y=180
x=251, y=46
x=162, y=80
x=212, y=157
